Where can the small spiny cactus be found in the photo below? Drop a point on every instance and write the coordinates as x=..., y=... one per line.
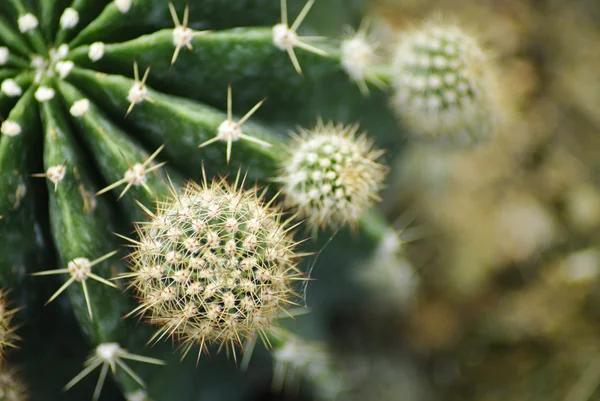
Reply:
x=358, y=53
x=331, y=176
x=213, y=265
x=443, y=85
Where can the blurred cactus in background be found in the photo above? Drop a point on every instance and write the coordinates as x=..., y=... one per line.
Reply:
x=300, y=200
x=444, y=85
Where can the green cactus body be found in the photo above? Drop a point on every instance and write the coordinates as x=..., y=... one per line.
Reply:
x=80, y=224
x=67, y=92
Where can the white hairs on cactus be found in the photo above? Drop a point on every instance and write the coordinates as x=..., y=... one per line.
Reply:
x=80, y=107
x=44, y=93
x=213, y=265
x=11, y=88
x=54, y=174
x=27, y=22
x=138, y=92
x=123, y=5
x=182, y=34
x=231, y=131
x=96, y=51
x=80, y=269
x=10, y=128
x=69, y=18
x=136, y=175
x=4, y=53
x=59, y=53
x=111, y=355
x=286, y=38
x=358, y=57
x=64, y=68
x=139, y=395
x=331, y=175
x=444, y=85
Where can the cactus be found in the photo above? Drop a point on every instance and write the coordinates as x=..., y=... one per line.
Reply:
x=142, y=116
x=443, y=85
x=331, y=177
x=116, y=104
x=214, y=265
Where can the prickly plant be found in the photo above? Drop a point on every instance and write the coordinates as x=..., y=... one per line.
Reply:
x=443, y=84
x=108, y=108
x=330, y=175
x=213, y=265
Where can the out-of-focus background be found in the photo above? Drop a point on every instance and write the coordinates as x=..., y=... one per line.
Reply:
x=496, y=295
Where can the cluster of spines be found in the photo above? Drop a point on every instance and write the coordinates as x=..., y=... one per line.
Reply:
x=442, y=81
x=331, y=175
x=214, y=264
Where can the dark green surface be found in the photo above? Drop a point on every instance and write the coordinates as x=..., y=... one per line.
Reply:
x=15, y=152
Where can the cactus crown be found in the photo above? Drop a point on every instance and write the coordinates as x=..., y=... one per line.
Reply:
x=213, y=265
x=331, y=175
x=441, y=84
x=111, y=355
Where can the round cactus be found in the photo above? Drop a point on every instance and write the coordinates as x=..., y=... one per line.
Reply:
x=443, y=85
x=213, y=265
x=331, y=176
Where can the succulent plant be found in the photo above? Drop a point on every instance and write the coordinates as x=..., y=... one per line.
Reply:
x=116, y=104
x=195, y=165
x=213, y=265
x=444, y=85
x=331, y=177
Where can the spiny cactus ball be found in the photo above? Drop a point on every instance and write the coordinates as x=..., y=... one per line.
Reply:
x=11, y=387
x=331, y=175
x=7, y=335
x=214, y=265
x=443, y=85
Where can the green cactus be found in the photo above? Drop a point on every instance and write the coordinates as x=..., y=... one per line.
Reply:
x=443, y=85
x=116, y=104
